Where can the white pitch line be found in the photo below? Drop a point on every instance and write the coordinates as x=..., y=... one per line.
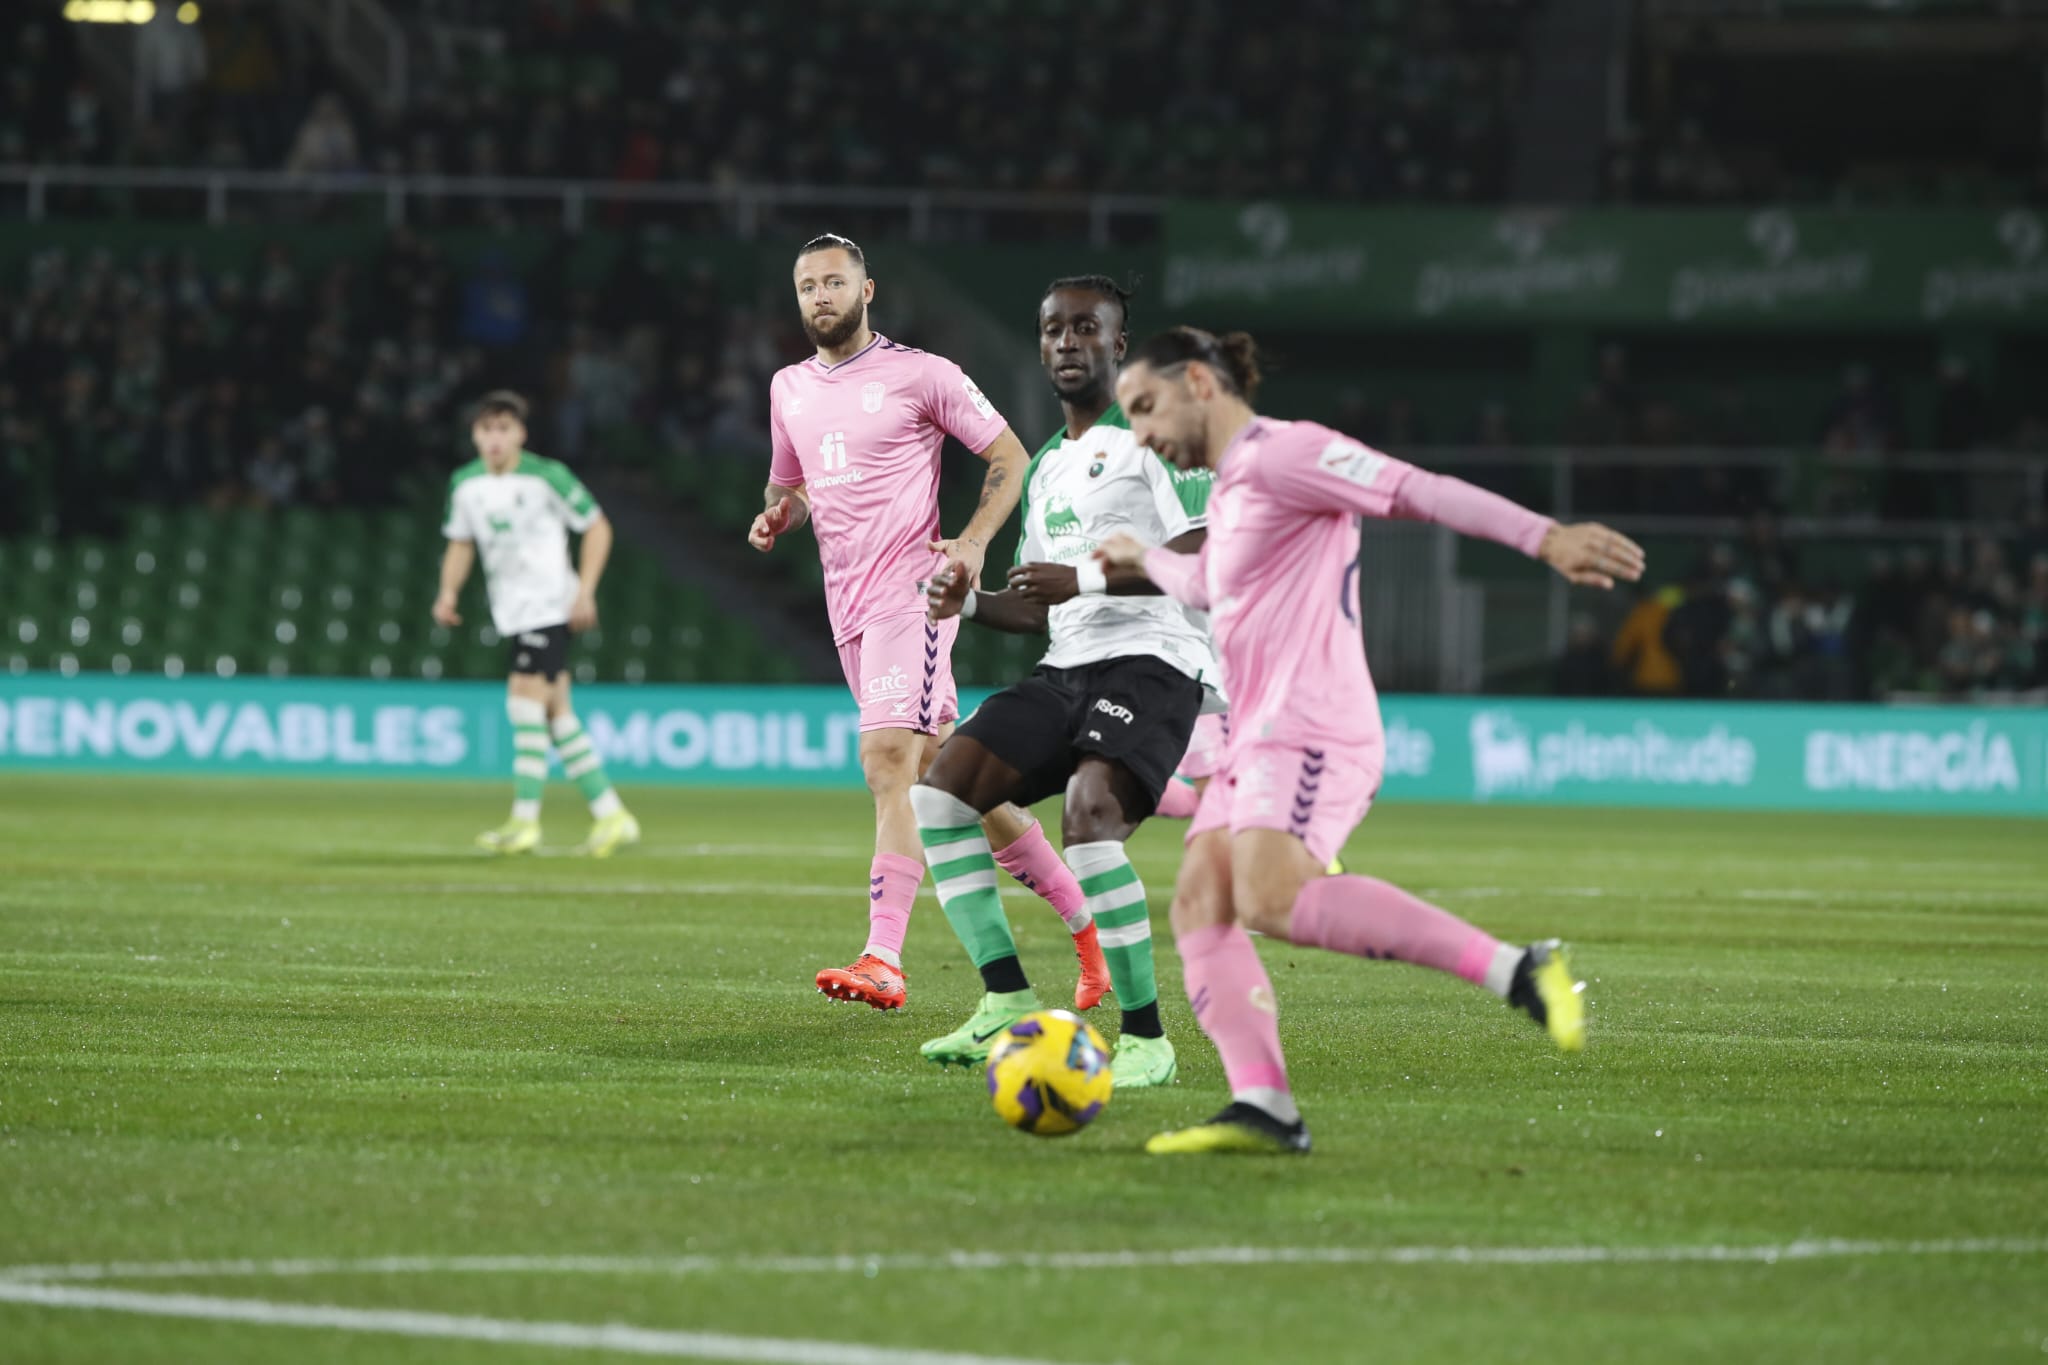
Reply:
x=1812, y=1249
x=645, y=1341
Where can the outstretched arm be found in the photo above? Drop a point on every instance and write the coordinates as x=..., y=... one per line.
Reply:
x=1347, y=476
x=1007, y=461
x=1587, y=553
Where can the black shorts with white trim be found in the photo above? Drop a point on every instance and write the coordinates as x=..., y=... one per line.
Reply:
x=544, y=651
x=1138, y=712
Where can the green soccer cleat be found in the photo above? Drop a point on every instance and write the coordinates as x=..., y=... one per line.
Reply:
x=1239, y=1130
x=514, y=836
x=971, y=1042
x=1143, y=1062
x=610, y=834
x=1544, y=988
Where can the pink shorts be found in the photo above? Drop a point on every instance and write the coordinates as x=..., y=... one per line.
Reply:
x=1204, y=757
x=1317, y=795
x=901, y=671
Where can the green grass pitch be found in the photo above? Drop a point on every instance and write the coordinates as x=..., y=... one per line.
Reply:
x=246, y=1021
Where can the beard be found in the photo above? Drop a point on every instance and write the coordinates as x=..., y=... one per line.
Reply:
x=839, y=330
x=1091, y=390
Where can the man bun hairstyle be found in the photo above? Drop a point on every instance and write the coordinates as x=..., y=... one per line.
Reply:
x=832, y=241
x=1119, y=294
x=1234, y=355
x=499, y=402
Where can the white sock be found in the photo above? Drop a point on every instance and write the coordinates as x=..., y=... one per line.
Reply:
x=526, y=810
x=1278, y=1103
x=1500, y=973
x=887, y=955
x=606, y=804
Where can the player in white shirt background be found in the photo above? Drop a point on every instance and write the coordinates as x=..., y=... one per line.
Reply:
x=515, y=510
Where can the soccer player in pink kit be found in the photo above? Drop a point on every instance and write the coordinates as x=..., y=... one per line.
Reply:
x=1279, y=577
x=857, y=431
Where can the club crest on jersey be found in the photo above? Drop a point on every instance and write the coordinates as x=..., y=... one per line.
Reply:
x=1095, y=470
x=1060, y=519
x=871, y=395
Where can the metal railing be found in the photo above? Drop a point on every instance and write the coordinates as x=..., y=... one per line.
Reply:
x=923, y=215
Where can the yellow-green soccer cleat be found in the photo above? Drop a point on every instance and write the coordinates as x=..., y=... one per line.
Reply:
x=1143, y=1062
x=1544, y=988
x=970, y=1043
x=514, y=836
x=1239, y=1130
x=610, y=834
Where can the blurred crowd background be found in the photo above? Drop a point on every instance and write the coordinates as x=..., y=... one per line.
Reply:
x=313, y=354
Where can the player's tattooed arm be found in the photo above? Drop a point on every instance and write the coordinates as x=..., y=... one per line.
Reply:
x=1000, y=488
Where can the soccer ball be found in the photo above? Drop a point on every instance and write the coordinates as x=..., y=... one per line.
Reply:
x=1049, y=1074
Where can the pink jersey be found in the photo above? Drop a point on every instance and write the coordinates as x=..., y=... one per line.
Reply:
x=863, y=438
x=1279, y=573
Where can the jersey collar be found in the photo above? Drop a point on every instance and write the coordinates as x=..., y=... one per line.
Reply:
x=1113, y=415
x=823, y=368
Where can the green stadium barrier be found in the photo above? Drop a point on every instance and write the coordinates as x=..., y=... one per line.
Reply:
x=1278, y=264
x=1678, y=754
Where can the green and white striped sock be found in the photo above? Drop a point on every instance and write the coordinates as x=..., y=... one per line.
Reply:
x=581, y=765
x=964, y=871
x=529, y=754
x=1116, y=899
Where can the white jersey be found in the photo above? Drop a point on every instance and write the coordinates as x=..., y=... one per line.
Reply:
x=520, y=521
x=1080, y=492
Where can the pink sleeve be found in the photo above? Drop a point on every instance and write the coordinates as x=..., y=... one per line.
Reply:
x=959, y=408
x=784, y=469
x=1328, y=472
x=1183, y=577
x=1448, y=501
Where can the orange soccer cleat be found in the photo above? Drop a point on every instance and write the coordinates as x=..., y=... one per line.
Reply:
x=1094, y=982
x=868, y=981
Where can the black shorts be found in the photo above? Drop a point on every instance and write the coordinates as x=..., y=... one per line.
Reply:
x=544, y=651
x=1138, y=712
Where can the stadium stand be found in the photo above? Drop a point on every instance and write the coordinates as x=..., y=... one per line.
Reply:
x=1412, y=96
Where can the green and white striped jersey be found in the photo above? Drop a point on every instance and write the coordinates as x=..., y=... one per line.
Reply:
x=520, y=521
x=1080, y=492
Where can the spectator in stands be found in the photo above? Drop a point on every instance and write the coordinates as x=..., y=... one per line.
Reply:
x=171, y=57
x=1639, y=653
x=271, y=478
x=1743, y=648
x=1582, y=670
x=326, y=142
x=1694, y=632
x=1791, y=643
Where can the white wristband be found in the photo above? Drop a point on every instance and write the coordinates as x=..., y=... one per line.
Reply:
x=1090, y=579
x=967, y=607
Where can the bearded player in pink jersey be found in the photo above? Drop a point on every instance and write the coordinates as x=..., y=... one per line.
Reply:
x=1279, y=577
x=857, y=431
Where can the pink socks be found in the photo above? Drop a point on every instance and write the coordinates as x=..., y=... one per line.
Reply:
x=1366, y=917
x=1233, y=1000
x=1037, y=866
x=892, y=889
